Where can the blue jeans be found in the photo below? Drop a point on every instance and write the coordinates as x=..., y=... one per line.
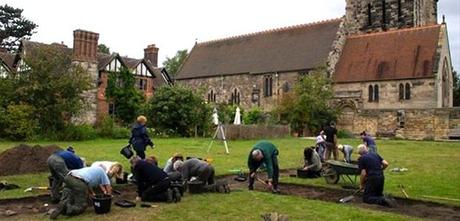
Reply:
x=372, y=148
x=320, y=148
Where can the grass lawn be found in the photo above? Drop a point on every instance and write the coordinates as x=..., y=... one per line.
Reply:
x=432, y=171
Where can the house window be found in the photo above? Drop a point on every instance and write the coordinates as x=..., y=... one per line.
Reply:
x=268, y=86
x=373, y=93
x=369, y=15
x=404, y=91
x=235, y=97
x=211, y=96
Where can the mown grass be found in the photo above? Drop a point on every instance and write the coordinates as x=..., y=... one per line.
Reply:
x=432, y=172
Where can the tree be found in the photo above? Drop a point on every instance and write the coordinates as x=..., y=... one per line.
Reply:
x=456, y=89
x=14, y=27
x=128, y=100
x=53, y=86
x=173, y=64
x=179, y=110
x=102, y=48
x=307, y=106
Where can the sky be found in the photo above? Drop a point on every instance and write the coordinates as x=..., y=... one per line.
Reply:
x=127, y=27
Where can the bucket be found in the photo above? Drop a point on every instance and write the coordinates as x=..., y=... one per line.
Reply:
x=195, y=187
x=102, y=203
x=123, y=180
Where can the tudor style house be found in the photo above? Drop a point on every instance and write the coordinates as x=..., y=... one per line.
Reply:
x=389, y=61
x=84, y=53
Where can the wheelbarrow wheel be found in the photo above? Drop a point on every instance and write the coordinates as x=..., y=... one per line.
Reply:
x=331, y=176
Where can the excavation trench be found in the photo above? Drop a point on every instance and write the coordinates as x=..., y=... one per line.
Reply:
x=408, y=207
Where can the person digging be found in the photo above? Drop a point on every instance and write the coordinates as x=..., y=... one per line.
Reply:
x=78, y=184
x=60, y=163
x=267, y=153
x=372, y=179
x=153, y=184
x=201, y=173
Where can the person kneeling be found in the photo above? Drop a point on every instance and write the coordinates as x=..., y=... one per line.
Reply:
x=153, y=185
x=312, y=163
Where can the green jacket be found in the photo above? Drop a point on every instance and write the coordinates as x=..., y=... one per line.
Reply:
x=270, y=153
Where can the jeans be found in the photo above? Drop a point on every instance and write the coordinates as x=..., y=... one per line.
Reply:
x=320, y=148
x=58, y=171
x=372, y=148
x=140, y=153
x=373, y=190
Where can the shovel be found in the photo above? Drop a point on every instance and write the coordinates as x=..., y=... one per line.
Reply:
x=349, y=198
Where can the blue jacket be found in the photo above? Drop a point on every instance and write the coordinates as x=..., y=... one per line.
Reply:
x=71, y=160
x=139, y=137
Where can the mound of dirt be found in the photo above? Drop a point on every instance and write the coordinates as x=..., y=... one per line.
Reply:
x=25, y=159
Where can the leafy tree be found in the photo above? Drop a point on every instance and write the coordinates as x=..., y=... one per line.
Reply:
x=53, y=86
x=178, y=110
x=102, y=48
x=456, y=89
x=127, y=98
x=14, y=27
x=307, y=106
x=172, y=64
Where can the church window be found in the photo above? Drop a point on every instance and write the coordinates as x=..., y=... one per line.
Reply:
x=401, y=92
x=286, y=87
x=371, y=93
x=407, y=92
x=399, y=10
x=369, y=14
x=235, y=97
x=112, y=109
x=268, y=86
x=376, y=93
x=211, y=96
x=384, y=8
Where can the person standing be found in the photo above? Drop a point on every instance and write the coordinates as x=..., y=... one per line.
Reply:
x=78, y=182
x=347, y=150
x=59, y=164
x=369, y=142
x=372, y=179
x=312, y=163
x=331, y=141
x=139, y=137
x=264, y=152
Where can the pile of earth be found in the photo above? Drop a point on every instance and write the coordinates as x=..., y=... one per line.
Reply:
x=24, y=159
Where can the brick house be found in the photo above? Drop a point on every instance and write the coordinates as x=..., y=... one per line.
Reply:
x=389, y=60
x=84, y=53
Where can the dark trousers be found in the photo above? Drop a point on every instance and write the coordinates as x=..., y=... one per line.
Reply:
x=157, y=192
x=58, y=171
x=207, y=175
x=313, y=174
x=75, y=196
x=140, y=152
x=276, y=173
x=331, y=148
x=373, y=190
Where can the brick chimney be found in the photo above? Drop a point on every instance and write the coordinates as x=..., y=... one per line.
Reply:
x=85, y=45
x=151, y=54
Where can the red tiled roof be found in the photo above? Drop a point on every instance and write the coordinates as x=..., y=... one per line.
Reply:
x=400, y=54
x=286, y=49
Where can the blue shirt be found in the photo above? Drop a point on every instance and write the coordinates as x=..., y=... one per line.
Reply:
x=369, y=140
x=71, y=160
x=372, y=163
x=94, y=176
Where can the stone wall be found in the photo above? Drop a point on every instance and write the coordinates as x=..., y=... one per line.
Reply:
x=410, y=13
x=89, y=114
x=423, y=94
x=234, y=132
x=427, y=123
x=246, y=85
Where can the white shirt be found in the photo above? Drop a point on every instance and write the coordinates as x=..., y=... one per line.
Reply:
x=319, y=139
x=104, y=164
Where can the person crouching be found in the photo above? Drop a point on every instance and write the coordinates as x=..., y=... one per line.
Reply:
x=312, y=163
x=201, y=173
x=153, y=184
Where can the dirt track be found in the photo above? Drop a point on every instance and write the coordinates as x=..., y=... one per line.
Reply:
x=416, y=208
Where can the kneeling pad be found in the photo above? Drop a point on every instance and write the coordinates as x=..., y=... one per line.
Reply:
x=125, y=203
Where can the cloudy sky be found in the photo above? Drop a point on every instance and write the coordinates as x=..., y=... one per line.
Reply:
x=127, y=27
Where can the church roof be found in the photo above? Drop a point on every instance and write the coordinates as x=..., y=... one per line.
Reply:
x=400, y=54
x=292, y=48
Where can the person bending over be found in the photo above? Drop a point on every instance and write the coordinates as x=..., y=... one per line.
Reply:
x=267, y=153
x=312, y=163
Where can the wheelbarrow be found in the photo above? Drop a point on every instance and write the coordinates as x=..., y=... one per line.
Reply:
x=336, y=169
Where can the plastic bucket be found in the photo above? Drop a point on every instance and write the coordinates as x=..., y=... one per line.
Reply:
x=102, y=203
x=124, y=180
x=195, y=187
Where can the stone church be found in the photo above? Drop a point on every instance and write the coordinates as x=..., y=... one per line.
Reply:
x=389, y=61
x=85, y=53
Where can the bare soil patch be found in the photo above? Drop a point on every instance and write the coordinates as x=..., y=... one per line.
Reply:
x=24, y=159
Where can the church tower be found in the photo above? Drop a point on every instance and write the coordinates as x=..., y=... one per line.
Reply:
x=366, y=16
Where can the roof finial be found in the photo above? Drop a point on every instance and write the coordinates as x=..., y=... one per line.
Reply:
x=443, y=19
